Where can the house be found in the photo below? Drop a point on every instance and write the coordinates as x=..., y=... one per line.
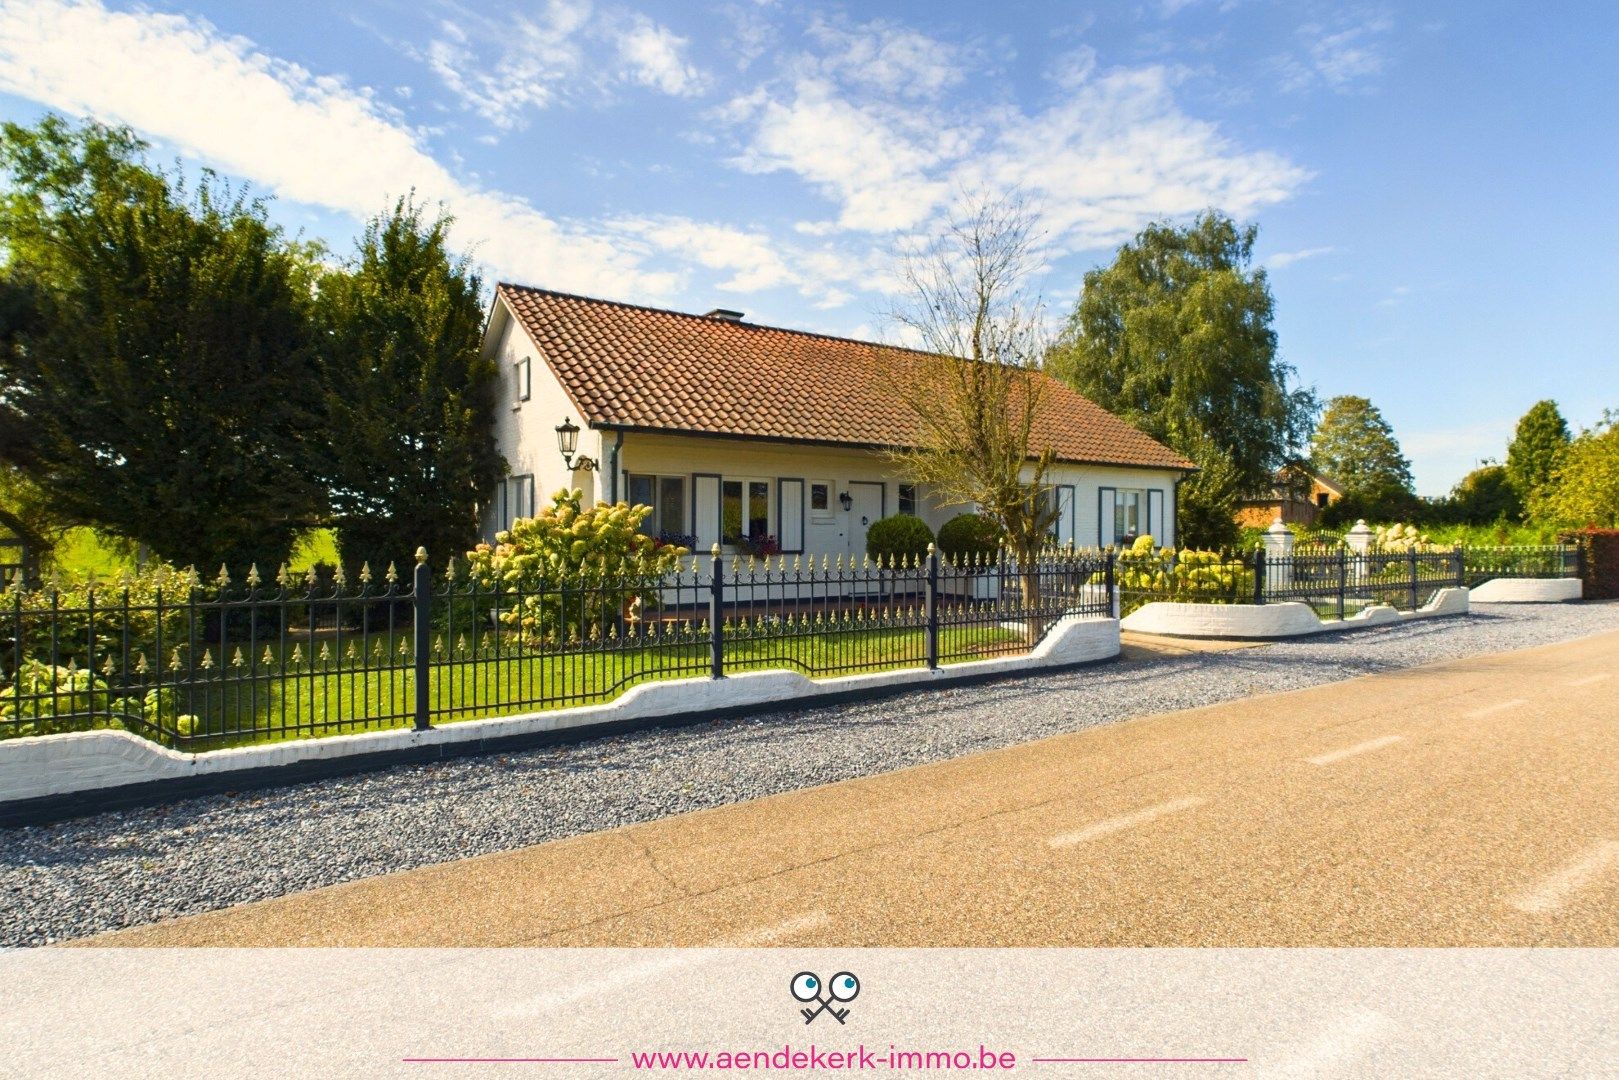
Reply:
x=733, y=431
x=1298, y=498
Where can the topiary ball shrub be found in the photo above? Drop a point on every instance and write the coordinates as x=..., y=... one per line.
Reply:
x=970, y=538
x=899, y=540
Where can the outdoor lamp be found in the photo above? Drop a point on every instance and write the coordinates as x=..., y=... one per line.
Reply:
x=846, y=501
x=568, y=442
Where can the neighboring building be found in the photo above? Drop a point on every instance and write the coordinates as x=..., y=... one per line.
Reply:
x=732, y=431
x=1298, y=499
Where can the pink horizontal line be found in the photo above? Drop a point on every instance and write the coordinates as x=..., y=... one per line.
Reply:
x=508, y=1061
x=1141, y=1061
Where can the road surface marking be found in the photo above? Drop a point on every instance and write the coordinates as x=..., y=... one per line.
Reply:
x=1111, y=825
x=1589, y=679
x=670, y=960
x=1499, y=706
x=1556, y=889
x=1351, y=751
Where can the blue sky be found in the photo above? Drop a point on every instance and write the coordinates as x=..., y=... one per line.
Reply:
x=1434, y=183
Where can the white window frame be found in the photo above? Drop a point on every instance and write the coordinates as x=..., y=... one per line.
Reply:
x=523, y=380
x=654, y=524
x=747, y=502
x=900, y=499
x=1120, y=496
x=519, y=497
x=830, y=512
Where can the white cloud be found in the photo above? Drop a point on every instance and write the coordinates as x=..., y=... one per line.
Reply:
x=1288, y=258
x=1072, y=68
x=505, y=65
x=1115, y=151
x=1340, y=58
x=655, y=57
x=888, y=58
x=1118, y=152
x=537, y=57
x=755, y=260
x=879, y=163
x=751, y=258
x=308, y=138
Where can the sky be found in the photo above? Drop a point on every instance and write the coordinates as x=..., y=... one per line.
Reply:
x=1434, y=183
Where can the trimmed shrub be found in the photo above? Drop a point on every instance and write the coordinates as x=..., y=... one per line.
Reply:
x=970, y=538
x=1145, y=574
x=1601, y=554
x=899, y=540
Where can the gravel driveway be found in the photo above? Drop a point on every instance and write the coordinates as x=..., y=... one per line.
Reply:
x=122, y=869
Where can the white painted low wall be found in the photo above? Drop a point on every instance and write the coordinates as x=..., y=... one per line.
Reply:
x=1528, y=591
x=86, y=761
x=1271, y=621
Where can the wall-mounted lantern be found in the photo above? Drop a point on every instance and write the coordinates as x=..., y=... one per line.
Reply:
x=568, y=442
x=846, y=501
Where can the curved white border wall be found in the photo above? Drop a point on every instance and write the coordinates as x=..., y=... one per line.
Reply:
x=1528, y=591
x=1269, y=621
x=91, y=760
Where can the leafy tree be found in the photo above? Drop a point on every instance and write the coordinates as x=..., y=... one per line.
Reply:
x=1542, y=435
x=1356, y=447
x=977, y=389
x=410, y=397
x=1584, y=485
x=1484, y=496
x=1175, y=336
x=156, y=369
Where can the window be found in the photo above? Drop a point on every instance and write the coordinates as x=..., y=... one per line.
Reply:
x=1127, y=523
x=519, y=498
x=907, y=499
x=667, y=497
x=821, y=500
x=522, y=380
x=744, y=509
x=1321, y=499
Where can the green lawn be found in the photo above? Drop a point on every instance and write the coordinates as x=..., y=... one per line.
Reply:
x=325, y=690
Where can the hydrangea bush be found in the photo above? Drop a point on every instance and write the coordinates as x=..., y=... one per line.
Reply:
x=1145, y=573
x=572, y=572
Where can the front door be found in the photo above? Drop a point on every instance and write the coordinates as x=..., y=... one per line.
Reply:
x=864, y=512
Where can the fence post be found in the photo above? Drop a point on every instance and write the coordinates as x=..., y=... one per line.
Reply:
x=422, y=629
x=1259, y=575
x=716, y=607
x=1113, y=582
x=1411, y=565
x=1343, y=579
x=1461, y=565
x=931, y=600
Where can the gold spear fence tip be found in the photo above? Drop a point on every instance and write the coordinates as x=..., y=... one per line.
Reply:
x=421, y=554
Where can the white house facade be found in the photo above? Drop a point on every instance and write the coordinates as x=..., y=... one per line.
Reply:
x=732, y=431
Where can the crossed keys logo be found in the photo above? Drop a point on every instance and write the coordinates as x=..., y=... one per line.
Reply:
x=807, y=987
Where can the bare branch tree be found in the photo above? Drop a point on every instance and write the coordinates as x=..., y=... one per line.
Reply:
x=976, y=390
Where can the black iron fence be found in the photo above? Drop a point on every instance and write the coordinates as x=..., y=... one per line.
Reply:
x=1334, y=579
x=201, y=667
x=204, y=667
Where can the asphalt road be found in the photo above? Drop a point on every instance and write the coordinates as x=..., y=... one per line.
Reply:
x=1472, y=802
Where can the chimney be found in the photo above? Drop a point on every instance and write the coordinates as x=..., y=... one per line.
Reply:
x=724, y=315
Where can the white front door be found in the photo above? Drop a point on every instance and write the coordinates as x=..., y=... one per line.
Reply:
x=864, y=512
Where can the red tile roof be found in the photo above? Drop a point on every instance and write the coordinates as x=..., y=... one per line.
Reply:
x=654, y=370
